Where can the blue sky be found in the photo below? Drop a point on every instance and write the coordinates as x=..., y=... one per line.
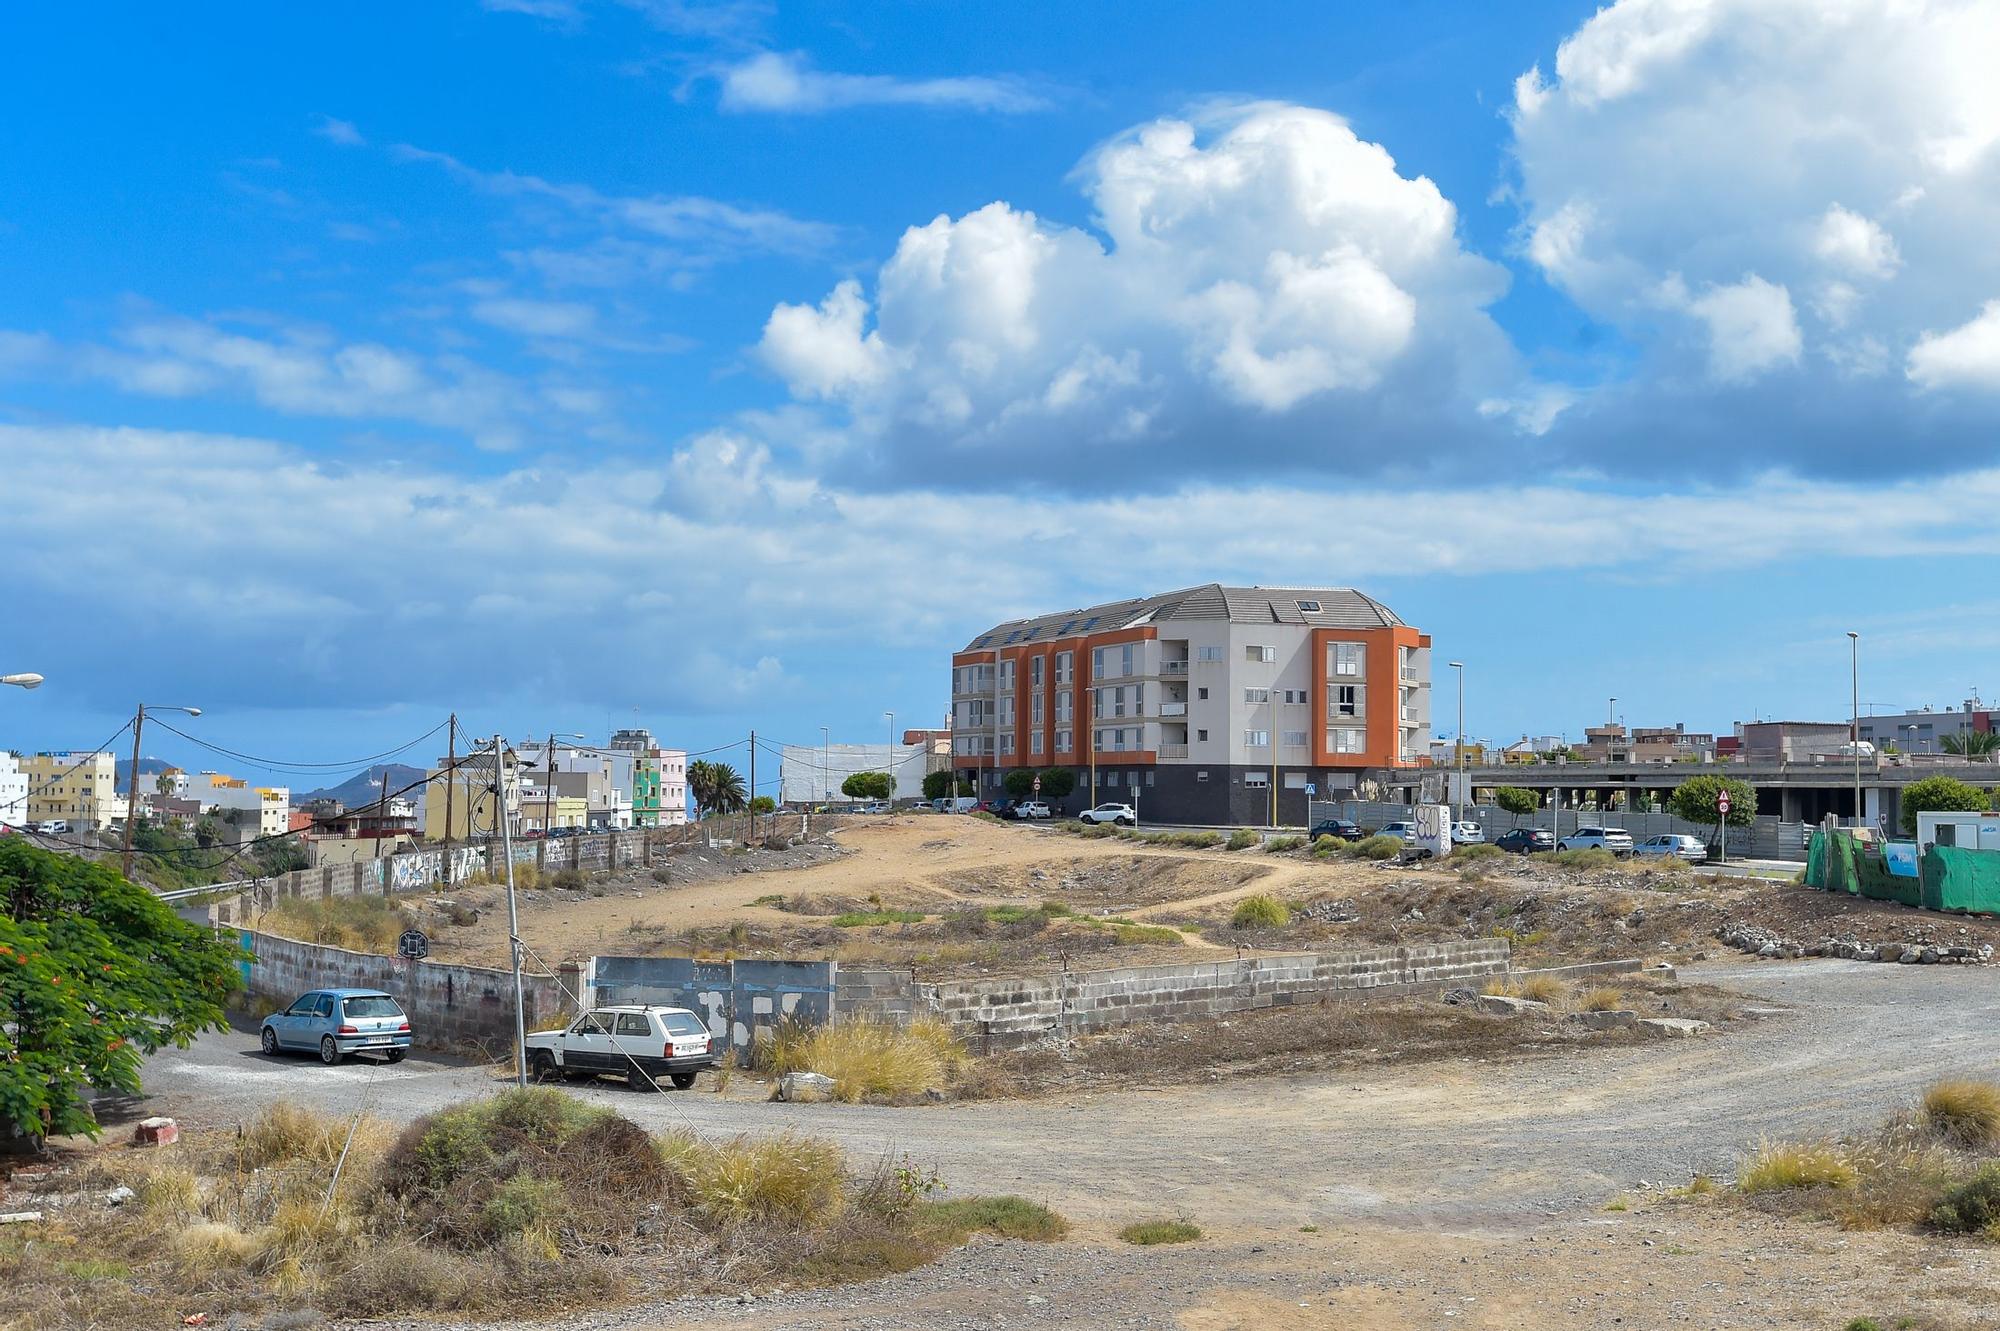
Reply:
x=723, y=366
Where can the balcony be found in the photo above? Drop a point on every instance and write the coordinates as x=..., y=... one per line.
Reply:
x=1173, y=709
x=1173, y=750
x=1174, y=667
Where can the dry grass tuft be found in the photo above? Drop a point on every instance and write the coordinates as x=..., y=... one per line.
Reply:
x=1149, y=1233
x=1794, y=1166
x=1536, y=988
x=1261, y=911
x=870, y=1060
x=1963, y=1112
x=1604, y=998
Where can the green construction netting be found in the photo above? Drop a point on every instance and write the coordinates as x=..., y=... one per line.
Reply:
x=1836, y=862
x=1956, y=878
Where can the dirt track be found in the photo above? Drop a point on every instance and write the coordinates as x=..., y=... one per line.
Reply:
x=1402, y=1172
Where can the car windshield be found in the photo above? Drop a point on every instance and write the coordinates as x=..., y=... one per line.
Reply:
x=372, y=1005
x=683, y=1023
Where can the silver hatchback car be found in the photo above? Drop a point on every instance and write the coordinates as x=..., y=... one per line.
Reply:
x=337, y=1022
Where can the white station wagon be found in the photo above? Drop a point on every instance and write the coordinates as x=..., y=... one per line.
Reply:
x=640, y=1043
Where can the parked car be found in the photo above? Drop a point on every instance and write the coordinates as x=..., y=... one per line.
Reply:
x=1400, y=831
x=1614, y=839
x=339, y=1022
x=51, y=827
x=1526, y=840
x=1673, y=845
x=1027, y=809
x=1002, y=808
x=873, y=806
x=1339, y=827
x=1123, y=815
x=1467, y=834
x=642, y=1043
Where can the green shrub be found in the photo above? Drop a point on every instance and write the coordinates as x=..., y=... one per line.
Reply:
x=861, y=919
x=1376, y=848
x=1973, y=1206
x=1241, y=839
x=1261, y=911
x=1133, y=935
x=1148, y=1233
x=1475, y=852
x=1597, y=857
x=1198, y=840
x=1964, y=1112
x=1057, y=910
x=1278, y=845
x=1791, y=1166
x=1008, y=1217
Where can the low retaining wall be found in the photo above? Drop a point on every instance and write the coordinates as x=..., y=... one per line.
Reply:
x=1002, y=1013
x=448, y=1005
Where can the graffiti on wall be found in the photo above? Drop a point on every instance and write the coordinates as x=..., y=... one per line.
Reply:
x=737, y=999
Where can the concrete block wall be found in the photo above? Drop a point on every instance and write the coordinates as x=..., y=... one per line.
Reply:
x=1001, y=1013
x=448, y=1005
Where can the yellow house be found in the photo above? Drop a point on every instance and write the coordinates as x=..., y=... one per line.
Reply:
x=541, y=814
x=468, y=790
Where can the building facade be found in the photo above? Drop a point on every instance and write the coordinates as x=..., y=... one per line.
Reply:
x=81, y=789
x=13, y=792
x=659, y=779
x=1926, y=730
x=1211, y=704
x=810, y=774
x=219, y=791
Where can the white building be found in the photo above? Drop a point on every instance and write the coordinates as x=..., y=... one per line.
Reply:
x=13, y=792
x=218, y=790
x=812, y=774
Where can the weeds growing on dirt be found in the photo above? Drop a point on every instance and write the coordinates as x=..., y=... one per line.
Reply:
x=1241, y=839
x=1278, y=845
x=1791, y=1166
x=861, y=919
x=1604, y=998
x=1376, y=848
x=1148, y=1233
x=866, y=1059
x=1963, y=1112
x=1262, y=911
x=360, y=924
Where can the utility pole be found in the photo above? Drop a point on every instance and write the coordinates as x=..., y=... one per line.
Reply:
x=132, y=780
x=549, y=794
x=513, y=916
x=450, y=785
x=1272, y=701
x=751, y=805
x=1854, y=723
x=1458, y=789
x=889, y=758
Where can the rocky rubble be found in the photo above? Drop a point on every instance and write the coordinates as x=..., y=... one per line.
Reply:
x=1926, y=951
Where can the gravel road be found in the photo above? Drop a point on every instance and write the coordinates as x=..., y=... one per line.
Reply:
x=1479, y=1152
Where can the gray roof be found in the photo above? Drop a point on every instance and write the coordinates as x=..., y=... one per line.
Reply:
x=1337, y=608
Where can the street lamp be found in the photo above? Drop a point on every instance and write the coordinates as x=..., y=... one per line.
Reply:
x=132, y=777
x=889, y=758
x=22, y=681
x=1456, y=790
x=513, y=916
x=825, y=773
x=1854, y=722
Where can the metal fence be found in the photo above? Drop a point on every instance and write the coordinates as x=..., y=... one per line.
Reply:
x=1767, y=837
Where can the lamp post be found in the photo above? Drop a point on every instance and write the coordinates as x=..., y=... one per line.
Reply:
x=889, y=758
x=1456, y=790
x=825, y=756
x=132, y=777
x=22, y=681
x=513, y=916
x=549, y=791
x=1854, y=721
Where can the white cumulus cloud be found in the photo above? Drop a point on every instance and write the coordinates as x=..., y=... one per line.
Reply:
x=785, y=81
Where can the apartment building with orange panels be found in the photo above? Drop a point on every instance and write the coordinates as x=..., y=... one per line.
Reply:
x=1197, y=704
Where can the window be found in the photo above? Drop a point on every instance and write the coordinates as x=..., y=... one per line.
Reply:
x=1007, y=742
x=1149, y=776
x=1344, y=660
x=1345, y=739
x=1344, y=700
x=1201, y=736
x=1295, y=739
x=1065, y=706
x=1034, y=741
x=634, y=1023
x=1118, y=702
x=1260, y=780
x=371, y=1005
x=683, y=1023
x=1036, y=705
x=1201, y=774
x=1035, y=671
x=1201, y=694
x=1097, y=662
x=1255, y=653
x=1256, y=695
x=1006, y=674
x=592, y=1023
x=1063, y=660
x=1295, y=781
x=1208, y=654
x=1065, y=741
x=1256, y=739
x=1006, y=711
x=1111, y=778
x=1295, y=695
x=1307, y=607
x=1125, y=659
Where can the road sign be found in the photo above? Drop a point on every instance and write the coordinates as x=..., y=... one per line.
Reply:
x=1038, y=785
x=1312, y=788
x=1722, y=802
x=414, y=945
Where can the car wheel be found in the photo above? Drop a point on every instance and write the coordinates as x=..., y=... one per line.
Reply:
x=683, y=1080
x=269, y=1039
x=329, y=1050
x=542, y=1067
x=398, y=1055
x=641, y=1080
x=1123, y=822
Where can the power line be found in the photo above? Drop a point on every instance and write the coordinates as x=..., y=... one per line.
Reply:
x=300, y=766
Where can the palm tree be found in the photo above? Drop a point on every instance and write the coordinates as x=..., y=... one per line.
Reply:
x=1978, y=745
x=727, y=794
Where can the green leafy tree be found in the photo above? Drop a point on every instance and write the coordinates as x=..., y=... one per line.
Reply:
x=869, y=786
x=1517, y=801
x=1693, y=801
x=1940, y=794
x=1020, y=783
x=95, y=975
x=1057, y=782
x=1978, y=745
x=763, y=804
x=207, y=834
x=940, y=785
